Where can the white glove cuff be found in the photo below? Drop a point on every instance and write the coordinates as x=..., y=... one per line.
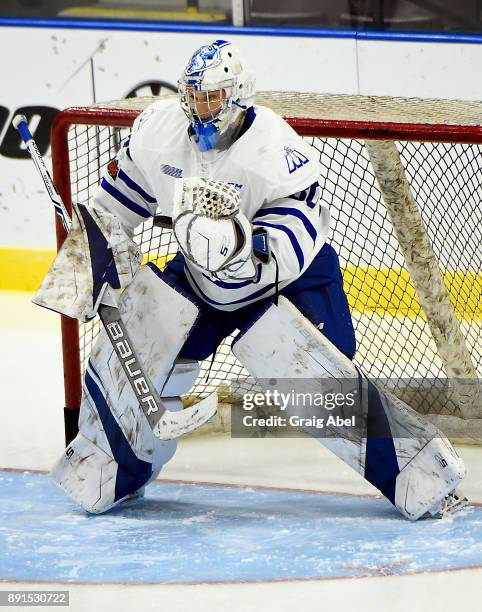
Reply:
x=242, y=265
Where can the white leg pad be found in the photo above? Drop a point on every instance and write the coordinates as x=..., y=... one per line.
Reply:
x=116, y=452
x=74, y=474
x=283, y=344
x=435, y=471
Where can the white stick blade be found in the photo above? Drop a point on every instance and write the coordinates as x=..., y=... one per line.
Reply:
x=175, y=424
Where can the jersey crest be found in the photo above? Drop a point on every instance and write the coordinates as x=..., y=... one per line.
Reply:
x=294, y=159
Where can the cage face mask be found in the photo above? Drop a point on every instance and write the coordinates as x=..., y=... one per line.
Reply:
x=216, y=89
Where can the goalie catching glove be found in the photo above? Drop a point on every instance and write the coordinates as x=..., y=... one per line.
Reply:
x=211, y=231
x=96, y=253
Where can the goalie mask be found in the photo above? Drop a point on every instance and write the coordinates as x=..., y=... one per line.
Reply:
x=216, y=89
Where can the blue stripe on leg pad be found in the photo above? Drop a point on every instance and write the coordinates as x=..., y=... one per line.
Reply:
x=381, y=465
x=132, y=472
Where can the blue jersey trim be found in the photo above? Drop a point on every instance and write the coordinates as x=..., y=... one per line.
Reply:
x=249, y=118
x=226, y=285
x=123, y=199
x=247, y=298
x=294, y=241
x=135, y=187
x=189, y=27
x=294, y=212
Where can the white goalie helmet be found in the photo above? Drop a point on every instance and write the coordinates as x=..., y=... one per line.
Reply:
x=216, y=89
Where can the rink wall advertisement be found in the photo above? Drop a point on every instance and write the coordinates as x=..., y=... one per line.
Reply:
x=56, y=68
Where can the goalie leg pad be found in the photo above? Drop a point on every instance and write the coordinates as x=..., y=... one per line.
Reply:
x=437, y=470
x=409, y=460
x=114, y=435
x=92, y=477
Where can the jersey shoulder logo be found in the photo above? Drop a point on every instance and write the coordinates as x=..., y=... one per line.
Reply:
x=294, y=159
x=171, y=171
x=113, y=168
x=144, y=116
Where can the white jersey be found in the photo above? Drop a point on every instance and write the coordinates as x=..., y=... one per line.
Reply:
x=275, y=170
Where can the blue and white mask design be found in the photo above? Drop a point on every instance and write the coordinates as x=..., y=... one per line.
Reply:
x=205, y=57
x=215, y=91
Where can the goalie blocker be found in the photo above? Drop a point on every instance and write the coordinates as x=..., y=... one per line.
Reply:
x=398, y=451
x=96, y=253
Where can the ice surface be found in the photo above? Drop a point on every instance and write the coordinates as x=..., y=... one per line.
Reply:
x=298, y=551
x=193, y=533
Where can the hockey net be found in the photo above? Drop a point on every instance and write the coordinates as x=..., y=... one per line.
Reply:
x=403, y=181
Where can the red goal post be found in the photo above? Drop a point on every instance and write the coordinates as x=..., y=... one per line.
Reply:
x=403, y=180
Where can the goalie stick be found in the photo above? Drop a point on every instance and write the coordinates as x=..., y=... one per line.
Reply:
x=165, y=424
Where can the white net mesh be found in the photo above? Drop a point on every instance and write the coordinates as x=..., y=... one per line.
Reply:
x=393, y=337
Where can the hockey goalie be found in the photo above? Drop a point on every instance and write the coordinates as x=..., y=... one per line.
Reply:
x=241, y=191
